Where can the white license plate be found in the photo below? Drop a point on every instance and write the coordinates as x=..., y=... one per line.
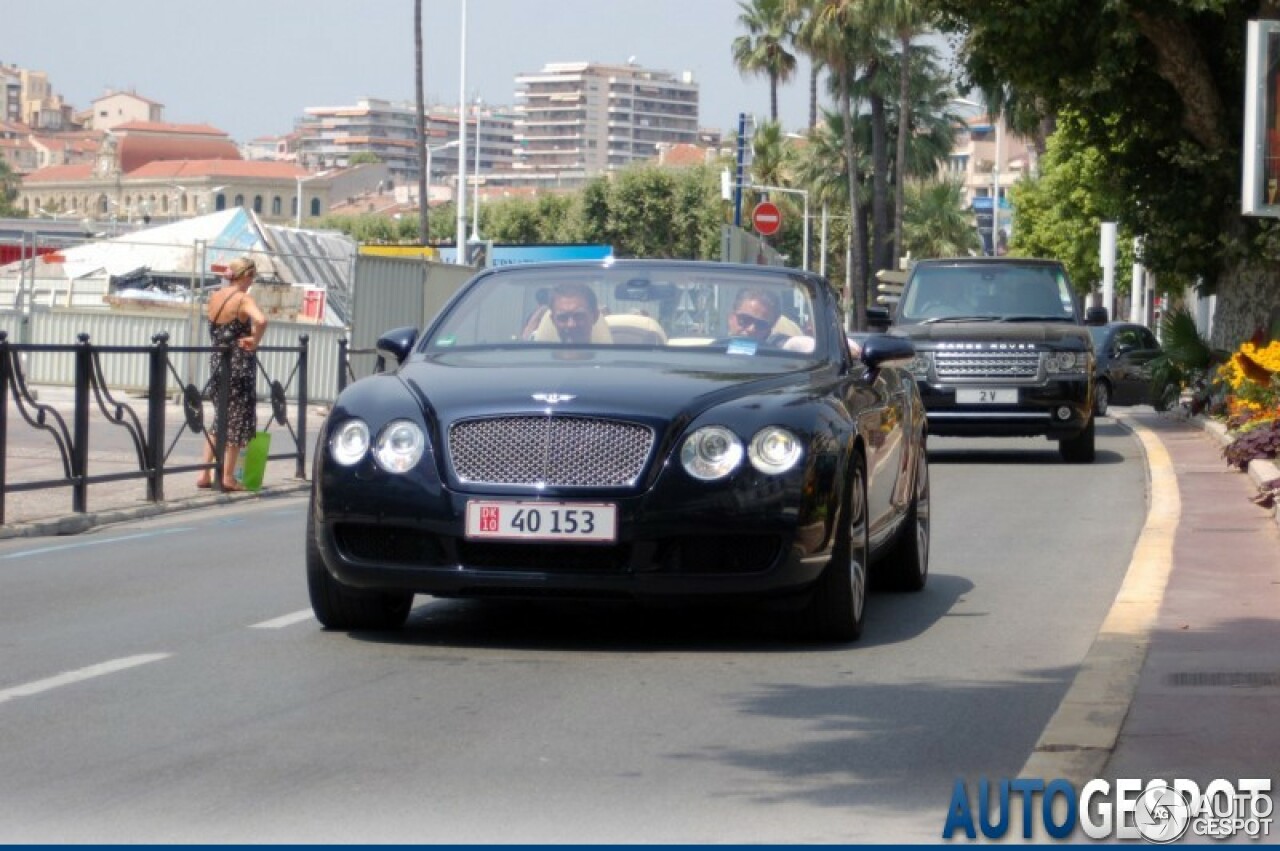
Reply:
x=541, y=521
x=987, y=395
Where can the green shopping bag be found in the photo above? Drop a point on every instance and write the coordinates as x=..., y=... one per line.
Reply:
x=253, y=461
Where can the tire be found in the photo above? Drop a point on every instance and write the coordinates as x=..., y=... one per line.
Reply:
x=1101, y=398
x=906, y=568
x=339, y=606
x=837, y=607
x=1079, y=449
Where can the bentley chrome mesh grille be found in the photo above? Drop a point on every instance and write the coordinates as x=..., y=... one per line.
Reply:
x=555, y=450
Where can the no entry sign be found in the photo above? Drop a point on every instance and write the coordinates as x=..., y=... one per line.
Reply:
x=766, y=218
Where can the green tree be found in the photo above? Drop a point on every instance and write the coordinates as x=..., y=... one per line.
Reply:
x=830, y=31
x=364, y=158
x=1060, y=211
x=936, y=223
x=1156, y=91
x=9, y=183
x=764, y=49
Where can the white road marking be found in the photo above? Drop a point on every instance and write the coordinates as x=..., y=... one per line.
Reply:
x=95, y=542
x=88, y=673
x=285, y=620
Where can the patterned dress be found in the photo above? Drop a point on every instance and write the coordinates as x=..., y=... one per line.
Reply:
x=242, y=412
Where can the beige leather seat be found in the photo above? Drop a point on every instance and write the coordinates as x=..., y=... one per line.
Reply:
x=787, y=327
x=634, y=328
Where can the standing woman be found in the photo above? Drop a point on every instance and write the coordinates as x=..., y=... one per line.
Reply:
x=235, y=320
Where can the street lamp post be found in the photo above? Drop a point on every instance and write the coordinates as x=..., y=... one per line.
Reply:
x=475, y=203
x=460, y=234
x=995, y=190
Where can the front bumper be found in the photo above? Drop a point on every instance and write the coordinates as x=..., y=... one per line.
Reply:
x=750, y=540
x=1039, y=411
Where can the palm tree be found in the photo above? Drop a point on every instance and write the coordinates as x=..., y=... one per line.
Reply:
x=829, y=31
x=424, y=229
x=767, y=154
x=906, y=19
x=935, y=222
x=764, y=49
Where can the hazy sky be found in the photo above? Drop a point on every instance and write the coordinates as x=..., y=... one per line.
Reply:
x=250, y=67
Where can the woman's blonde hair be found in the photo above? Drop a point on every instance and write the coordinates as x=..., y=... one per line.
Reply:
x=240, y=267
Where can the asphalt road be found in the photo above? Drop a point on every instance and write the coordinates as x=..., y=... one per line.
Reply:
x=165, y=682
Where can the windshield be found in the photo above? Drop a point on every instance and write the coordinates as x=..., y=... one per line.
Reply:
x=995, y=291
x=666, y=307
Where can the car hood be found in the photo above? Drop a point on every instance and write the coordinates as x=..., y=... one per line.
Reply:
x=454, y=385
x=1049, y=333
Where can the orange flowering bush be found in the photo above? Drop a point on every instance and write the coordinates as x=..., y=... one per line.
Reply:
x=1252, y=378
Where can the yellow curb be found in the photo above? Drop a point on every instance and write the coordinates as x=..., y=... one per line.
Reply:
x=1079, y=738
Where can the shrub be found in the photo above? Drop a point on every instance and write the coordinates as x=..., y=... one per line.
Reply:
x=1260, y=442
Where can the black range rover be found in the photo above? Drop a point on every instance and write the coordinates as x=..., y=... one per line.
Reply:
x=1001, y=350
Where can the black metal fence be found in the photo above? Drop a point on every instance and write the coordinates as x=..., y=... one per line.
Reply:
x=148, y=440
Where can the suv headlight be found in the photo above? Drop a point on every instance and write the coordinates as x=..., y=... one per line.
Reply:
x=918, y=366
x=710, y=453
x=1076, y=363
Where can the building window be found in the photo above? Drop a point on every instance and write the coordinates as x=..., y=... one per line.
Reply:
x=239, y=200
x=257, y=203
x=276, y=206
x=220, y=203
x=315, y=207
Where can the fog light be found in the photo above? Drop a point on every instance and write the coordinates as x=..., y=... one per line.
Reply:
x=1064, y=413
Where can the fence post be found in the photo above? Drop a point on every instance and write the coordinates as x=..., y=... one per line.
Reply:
x=342, y=364
x=156, y=399
x=303, y=344
x=80, y=426
x=4, y=417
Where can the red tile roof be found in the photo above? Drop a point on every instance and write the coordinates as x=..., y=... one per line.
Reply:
x=136, y=151
x=217, y=168
x=164, y=127
x=78, y=172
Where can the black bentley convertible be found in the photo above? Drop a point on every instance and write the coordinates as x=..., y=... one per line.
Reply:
x=641, y=430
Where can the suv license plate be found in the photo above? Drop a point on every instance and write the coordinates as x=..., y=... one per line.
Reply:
x=494, y=520
x=988, y=396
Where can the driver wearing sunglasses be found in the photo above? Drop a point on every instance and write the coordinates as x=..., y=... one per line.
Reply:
x=754, y=313
x=574, y=311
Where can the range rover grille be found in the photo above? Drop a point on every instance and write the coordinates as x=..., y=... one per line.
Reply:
x=986, y=361
x=556, y=450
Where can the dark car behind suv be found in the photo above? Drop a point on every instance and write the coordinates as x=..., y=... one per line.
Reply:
x=1001, y=350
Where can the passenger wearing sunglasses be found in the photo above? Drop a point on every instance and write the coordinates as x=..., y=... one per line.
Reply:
x=753, y=316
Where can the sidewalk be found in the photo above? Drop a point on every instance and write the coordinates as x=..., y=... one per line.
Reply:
x=1183, y=680
x=32, y=455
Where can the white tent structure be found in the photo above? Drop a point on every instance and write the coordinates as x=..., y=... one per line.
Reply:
x=176, y=262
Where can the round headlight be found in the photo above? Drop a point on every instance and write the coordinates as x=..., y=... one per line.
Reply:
x=712, y=452
x=400, y=446
x=1066, y=360
x=774, y=450
x=349, y=442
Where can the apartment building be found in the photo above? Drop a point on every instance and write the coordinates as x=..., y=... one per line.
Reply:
x=584, y=118
x=10, y=94
x=115, y=108
x=329, y=136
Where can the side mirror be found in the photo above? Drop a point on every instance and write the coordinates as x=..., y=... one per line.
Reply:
x=879, y=349
x=1095, y=316
x=396, y=344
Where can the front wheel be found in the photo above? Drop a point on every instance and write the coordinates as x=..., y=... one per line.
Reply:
x=1101, y=398
x=836, y=609
x=1079, y=449
x=339, y=606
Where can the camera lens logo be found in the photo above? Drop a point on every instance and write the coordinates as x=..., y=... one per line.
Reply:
x=1162, y=814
